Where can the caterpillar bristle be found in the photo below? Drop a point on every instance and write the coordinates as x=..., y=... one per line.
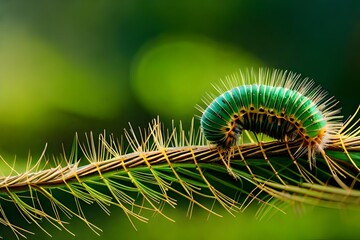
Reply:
x=277, y=103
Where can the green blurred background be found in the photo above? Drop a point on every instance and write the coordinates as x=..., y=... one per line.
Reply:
x=80, y=66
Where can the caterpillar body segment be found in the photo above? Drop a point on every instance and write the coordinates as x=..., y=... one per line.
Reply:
x=276, y=103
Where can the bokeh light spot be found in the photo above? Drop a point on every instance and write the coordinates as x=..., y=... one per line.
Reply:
x=171, y=74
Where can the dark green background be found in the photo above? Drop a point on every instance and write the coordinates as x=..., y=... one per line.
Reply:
x=68, y=66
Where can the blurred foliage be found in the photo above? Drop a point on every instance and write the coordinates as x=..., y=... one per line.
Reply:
x=172, y=88
x=304, y=223
x=67, y=66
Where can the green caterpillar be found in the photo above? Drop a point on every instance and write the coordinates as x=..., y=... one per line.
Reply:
x=276, y=103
